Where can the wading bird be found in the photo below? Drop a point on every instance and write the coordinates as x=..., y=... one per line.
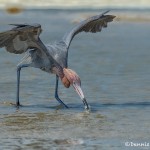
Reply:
x=24, y=38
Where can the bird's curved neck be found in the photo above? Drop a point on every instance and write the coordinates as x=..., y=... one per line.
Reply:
x=65, y=82
x=58, y=71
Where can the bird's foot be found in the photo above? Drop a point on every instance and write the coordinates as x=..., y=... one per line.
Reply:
x=60, y=107
x=64, y=105
x=18, y=105
x=61, y=102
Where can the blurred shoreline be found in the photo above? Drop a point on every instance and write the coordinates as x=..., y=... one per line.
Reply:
x=76, y=3
x=126, y=14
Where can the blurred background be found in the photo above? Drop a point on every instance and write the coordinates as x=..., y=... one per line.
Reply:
x=114, y=67
x=77, y=3
x=17, y=6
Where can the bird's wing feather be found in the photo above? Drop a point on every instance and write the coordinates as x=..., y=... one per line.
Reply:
x=20, y=38
x=93, y=24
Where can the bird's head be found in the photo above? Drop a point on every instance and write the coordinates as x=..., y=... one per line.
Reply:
x=71, y=78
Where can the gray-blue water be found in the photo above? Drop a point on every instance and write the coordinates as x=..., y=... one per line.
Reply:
x=114, y=67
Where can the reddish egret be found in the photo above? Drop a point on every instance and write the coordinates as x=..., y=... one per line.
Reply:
x=24, y=38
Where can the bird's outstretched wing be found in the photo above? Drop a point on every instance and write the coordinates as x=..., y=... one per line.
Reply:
x=93, y=24
x=20, y=38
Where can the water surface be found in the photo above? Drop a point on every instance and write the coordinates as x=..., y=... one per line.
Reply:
x=114, y=68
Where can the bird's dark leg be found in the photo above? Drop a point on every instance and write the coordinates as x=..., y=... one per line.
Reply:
x=56, y=93
x=18, y=82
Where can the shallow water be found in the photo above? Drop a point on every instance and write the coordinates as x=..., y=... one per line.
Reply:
x=114, y=68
